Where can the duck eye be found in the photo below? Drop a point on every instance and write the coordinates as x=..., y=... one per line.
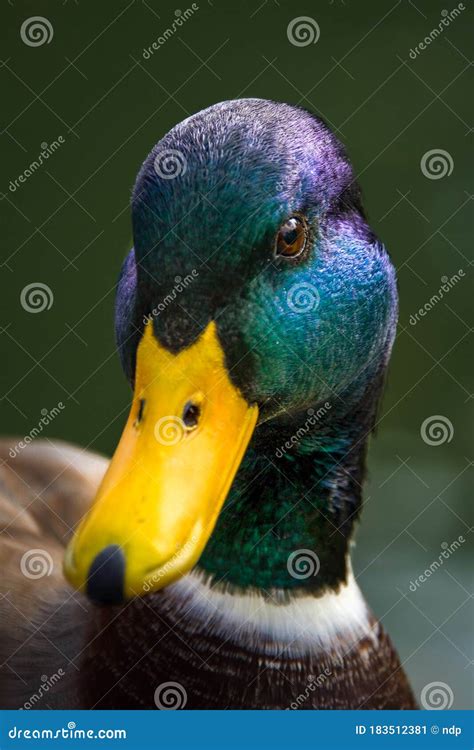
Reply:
x=191, y=414
x=291, y=238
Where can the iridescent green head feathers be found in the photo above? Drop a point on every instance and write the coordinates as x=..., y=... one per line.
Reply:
x=249, y=214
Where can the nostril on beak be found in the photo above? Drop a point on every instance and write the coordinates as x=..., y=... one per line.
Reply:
x=105, y=583
x=191, y=415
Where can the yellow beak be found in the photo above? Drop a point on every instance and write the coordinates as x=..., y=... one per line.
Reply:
x=159, y=501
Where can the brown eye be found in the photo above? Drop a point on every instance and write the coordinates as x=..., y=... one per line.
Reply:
x=291, y=238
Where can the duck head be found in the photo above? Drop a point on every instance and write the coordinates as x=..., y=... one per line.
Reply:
x=254, y=319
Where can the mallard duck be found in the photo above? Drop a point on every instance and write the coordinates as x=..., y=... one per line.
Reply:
x=254, y=320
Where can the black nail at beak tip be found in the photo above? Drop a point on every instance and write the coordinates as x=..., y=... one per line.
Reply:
x=105, y=583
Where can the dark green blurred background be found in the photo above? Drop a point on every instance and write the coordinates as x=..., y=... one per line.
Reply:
x=68, y=226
